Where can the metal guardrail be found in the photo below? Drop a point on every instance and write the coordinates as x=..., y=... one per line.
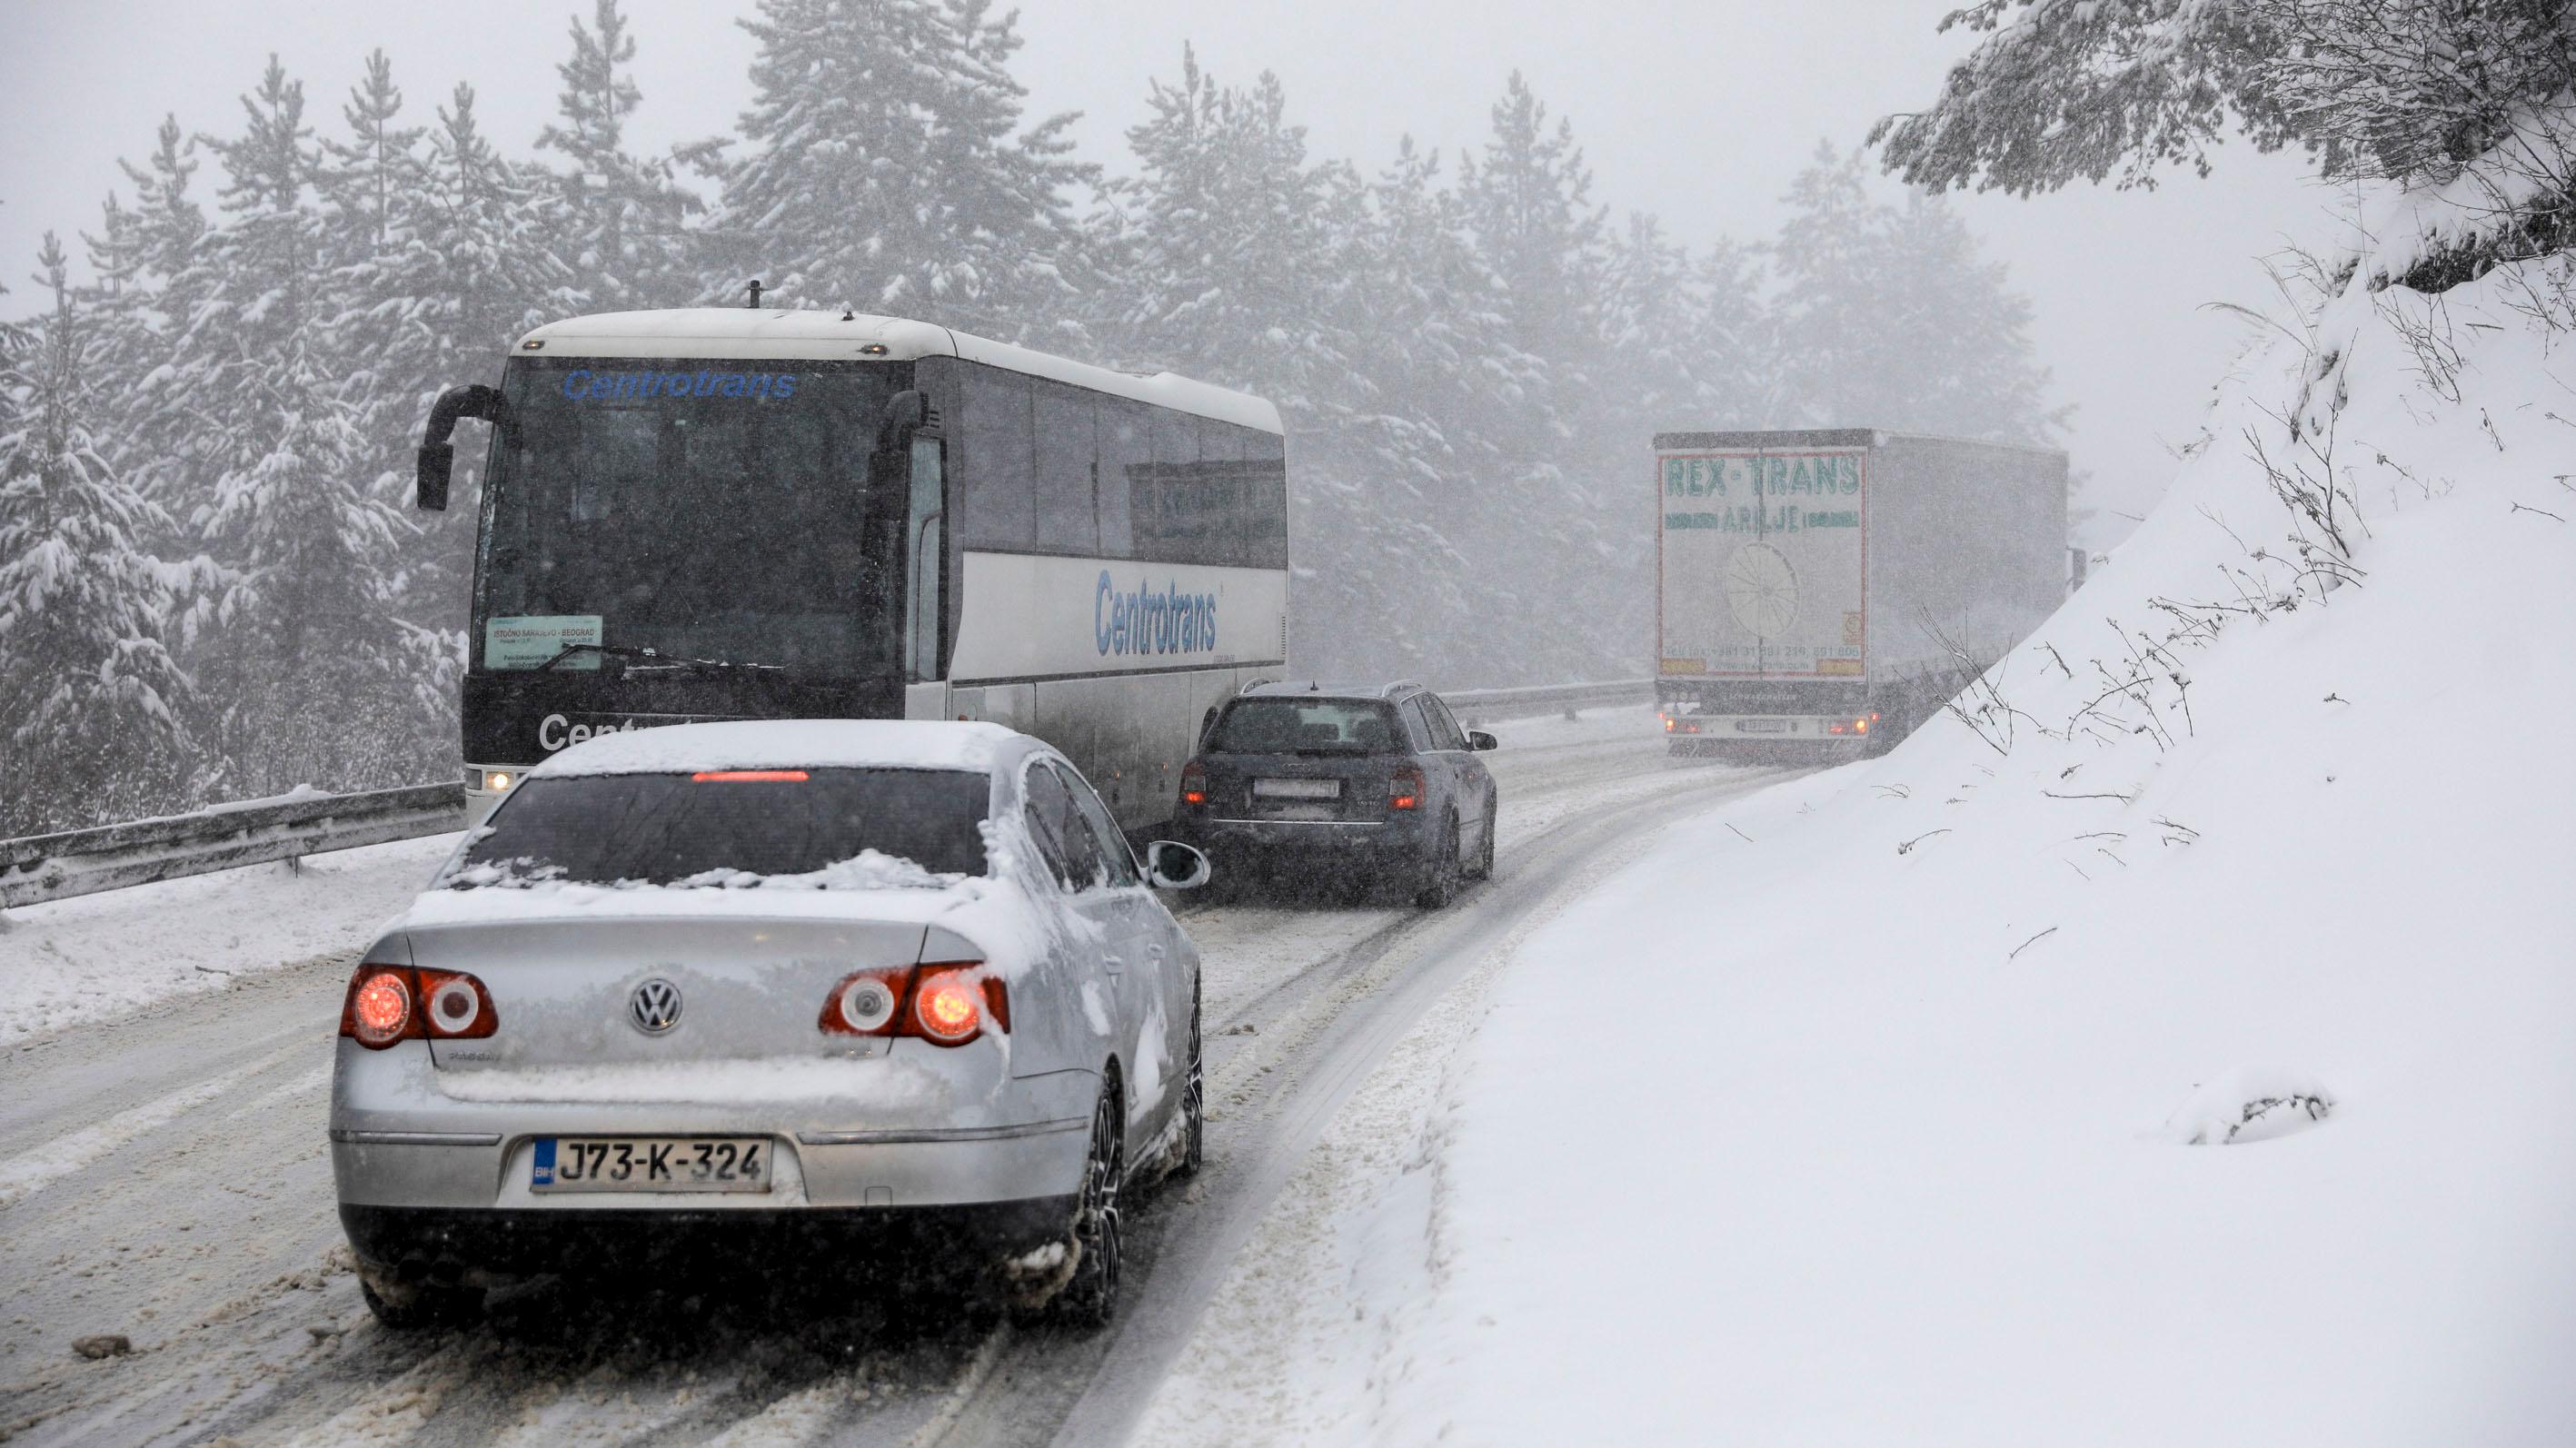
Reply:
x=1479, y=704
x=38, y=868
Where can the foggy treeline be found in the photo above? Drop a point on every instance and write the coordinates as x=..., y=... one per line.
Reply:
x=212, y=585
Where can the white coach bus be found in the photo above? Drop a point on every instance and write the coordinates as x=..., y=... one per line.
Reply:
x=735, y=513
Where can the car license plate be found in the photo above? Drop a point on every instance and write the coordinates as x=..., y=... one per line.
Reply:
x=1761, y=726
x=651, y=1164
x=1297, y=788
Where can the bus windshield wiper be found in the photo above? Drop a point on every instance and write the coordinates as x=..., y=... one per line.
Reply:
x=654, y=659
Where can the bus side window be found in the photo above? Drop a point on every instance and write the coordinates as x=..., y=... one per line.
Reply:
x=995, y=430
x=1066, y=522
x=1265, y=483
x=1125, y=450
x=1228, y=494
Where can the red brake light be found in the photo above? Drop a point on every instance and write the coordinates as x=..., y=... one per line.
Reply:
x=1194, y=783
x=1404, y=788
x=379, y=1009
x=948, y=1011
x=748, y=776
x=946, y=1004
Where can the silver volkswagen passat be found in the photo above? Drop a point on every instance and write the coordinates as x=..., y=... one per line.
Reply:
x=892, y=990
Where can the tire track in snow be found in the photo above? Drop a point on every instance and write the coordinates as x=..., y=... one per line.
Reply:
x=33, y=1170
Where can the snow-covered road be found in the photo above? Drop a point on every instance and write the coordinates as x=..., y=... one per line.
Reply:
x=162, y=1176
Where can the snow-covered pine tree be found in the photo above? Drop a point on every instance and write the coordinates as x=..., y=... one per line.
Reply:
x=373, y=185
x=147, y=254
x=1527, y=197
x=1889, y=317
x=92, y=704
x=887, y=170
x=2403, y=89
x=1429, y=352
x=625, y=215
x=307, y=670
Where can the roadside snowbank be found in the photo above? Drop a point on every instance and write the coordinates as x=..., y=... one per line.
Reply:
x=1858, y=1112
x=72, y=961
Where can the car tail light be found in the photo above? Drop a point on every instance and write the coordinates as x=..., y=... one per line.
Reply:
x=947, y=1004
x=378, y=1011
x=458, y=1009
x=389, y=1003
x=1194, y=789
x=866, y=1002
x=948, y=1009
x=748, y=776
x=1404, y=788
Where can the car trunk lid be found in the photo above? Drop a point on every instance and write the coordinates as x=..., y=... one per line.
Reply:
x=730, y=989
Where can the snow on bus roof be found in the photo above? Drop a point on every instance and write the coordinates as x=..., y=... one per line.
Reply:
x=789, y=744
x=822, y=335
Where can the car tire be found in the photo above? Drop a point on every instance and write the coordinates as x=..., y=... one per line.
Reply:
x=1484, y=866
x=1440, y=882
x=419, y=1307
x=1090, y=1297
x=1193, y=1149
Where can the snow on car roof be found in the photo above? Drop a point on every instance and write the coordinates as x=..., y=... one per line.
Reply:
x=789, y=744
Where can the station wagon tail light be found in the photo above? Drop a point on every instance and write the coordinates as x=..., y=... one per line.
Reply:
x=1194, y=783
x=1404, y=788
x=947, y=1003
x=389, y=1003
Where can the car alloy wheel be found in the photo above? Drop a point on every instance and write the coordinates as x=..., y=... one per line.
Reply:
x=1091, y=1298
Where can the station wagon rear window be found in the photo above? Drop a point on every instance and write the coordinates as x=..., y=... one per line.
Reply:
x=729, y=827
x=1307, y=726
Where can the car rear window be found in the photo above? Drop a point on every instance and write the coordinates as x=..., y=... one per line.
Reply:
x=674, y=828
x=1307, y=726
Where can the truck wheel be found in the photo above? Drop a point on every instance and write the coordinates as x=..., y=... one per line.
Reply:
x=1440, y=882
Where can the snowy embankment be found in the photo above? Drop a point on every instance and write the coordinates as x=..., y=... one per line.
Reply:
x=72, y=961
x=1866, y=1111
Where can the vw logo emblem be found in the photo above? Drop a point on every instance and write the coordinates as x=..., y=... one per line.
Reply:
x=655, y=1006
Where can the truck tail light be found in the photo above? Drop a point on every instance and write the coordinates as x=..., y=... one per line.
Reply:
x=1404, y=787
x=1194, y=789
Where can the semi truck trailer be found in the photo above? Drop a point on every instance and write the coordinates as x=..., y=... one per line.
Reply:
x=1834, y=587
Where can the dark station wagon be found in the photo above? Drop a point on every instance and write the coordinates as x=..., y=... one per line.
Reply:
x=1378, y=785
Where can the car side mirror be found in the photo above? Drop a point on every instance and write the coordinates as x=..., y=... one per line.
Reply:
x=1479, y=740
x=1171, y=865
